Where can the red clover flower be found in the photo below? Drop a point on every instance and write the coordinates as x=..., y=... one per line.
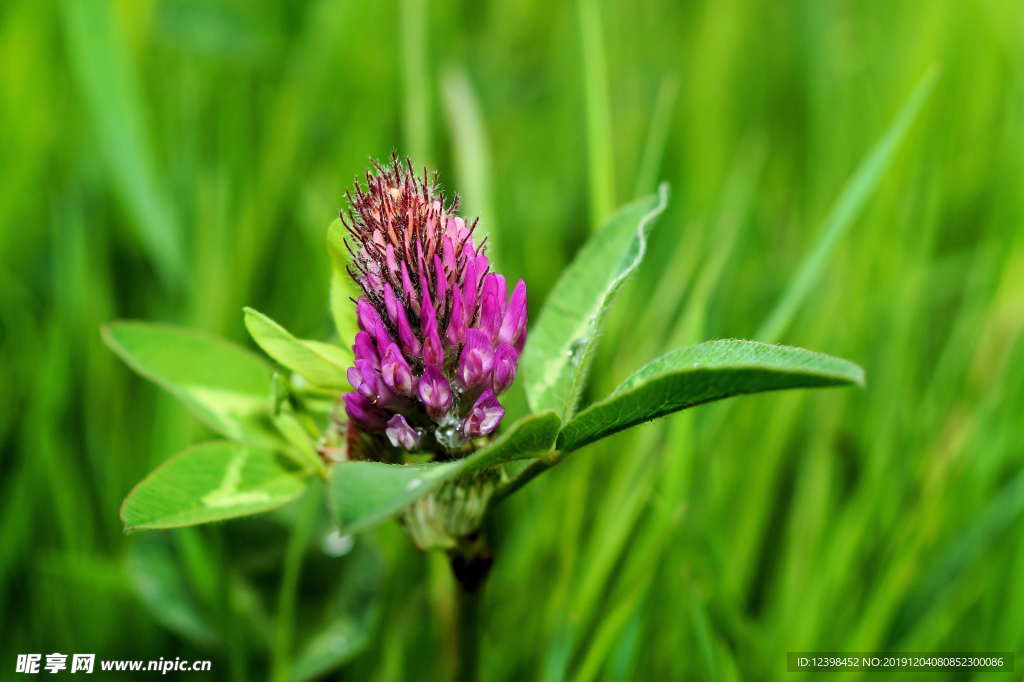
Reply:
x=439, y=337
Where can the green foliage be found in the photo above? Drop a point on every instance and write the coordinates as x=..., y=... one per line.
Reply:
x=848, y=205
x=211, y=482
x=110, y=91
x=349, y=615
x=339, y=641
x=557, y=357
x=699, y=374
x=322, y=364
x=177, y=160
x=365, y=493
x=224, y=385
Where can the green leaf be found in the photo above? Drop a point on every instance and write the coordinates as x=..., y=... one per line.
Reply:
x=321, y=363
x=211, y=482
x=226, y=386
x=557, y=355
x=299, y=431
x=698, y=374
x=342, y=287
x=363, y=494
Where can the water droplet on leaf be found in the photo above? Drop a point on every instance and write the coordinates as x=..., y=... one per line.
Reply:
x=575, y=351
x=335, y=544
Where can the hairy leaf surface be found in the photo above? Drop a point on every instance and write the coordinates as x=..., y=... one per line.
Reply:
x=225, y=385
x=211, y=482
x=699, y=374
x=557, y=355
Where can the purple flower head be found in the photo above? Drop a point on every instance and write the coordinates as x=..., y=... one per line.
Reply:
x=440, y=335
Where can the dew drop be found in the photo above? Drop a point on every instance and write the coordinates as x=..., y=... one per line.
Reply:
x=335, y=544
x=575, y=351
x=449, y=435
x=415, y=483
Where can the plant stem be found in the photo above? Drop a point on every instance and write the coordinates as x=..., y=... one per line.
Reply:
x=471, y=564
x=530, y=472
x=227, y=607
x=467, y=631
x=280, y=654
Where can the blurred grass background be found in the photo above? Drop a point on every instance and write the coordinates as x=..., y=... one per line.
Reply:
x=175, y=160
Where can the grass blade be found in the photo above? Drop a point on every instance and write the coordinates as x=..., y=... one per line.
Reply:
x=599, y=126
x=846, y=208
x=657, y=135
x=472, y=155
x=113, y=100
x=414, y=20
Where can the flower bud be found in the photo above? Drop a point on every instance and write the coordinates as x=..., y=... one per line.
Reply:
x=360, y=410
x=513, y=323
x=401, y=434
x=435, y=393
x=367, y=315
x=395, y=372
x=433, y=351
x=369, y=384
x=484, y=417
x=504, y=372
x=363, y=348
x=476, y=360
x=406, y=336
x=492, y=304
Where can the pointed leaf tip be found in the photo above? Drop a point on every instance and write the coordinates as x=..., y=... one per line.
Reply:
x=322, y=364
x=557, y=356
